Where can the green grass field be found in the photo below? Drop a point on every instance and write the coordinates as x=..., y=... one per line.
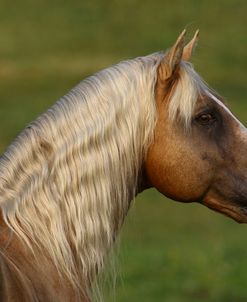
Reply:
x=169, y=251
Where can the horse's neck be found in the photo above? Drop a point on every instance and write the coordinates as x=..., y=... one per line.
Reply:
x=26, y=278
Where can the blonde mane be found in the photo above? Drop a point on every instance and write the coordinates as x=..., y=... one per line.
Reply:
x=66, y=182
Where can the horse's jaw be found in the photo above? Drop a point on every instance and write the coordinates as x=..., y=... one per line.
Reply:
x=232, y=210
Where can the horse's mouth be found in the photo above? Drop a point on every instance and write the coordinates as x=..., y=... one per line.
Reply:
x=234, y=211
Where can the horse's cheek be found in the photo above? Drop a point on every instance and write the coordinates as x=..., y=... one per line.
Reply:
x=177, y=175
x=161, y=173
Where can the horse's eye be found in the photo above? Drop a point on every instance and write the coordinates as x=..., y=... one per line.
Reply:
x=205, y=119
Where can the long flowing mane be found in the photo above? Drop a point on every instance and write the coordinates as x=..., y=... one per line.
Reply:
x=67, y=180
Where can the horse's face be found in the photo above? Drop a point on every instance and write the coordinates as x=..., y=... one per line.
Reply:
x=205, y=163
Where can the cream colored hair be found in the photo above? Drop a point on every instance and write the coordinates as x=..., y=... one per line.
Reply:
x=66, y=182
x=185, y=94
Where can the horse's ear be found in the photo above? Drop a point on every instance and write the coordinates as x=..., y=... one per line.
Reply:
x=188, y=49
x=172, y=59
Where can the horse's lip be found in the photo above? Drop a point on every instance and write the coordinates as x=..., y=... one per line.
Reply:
x=238, y=213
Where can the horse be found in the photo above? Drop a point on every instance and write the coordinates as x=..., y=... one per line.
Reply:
x=68, y=179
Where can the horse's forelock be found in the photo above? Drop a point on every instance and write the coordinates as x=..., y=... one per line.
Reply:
x=184, y=95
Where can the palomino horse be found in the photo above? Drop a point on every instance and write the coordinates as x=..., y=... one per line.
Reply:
x=67, y=181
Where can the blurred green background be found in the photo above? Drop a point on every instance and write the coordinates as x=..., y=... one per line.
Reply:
x=169, y=251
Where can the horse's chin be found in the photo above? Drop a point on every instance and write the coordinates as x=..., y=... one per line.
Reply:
x=238, y=213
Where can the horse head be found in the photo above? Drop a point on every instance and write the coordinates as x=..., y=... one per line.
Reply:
x=199, y=149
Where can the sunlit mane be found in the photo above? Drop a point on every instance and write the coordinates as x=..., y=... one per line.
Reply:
x=66, y=182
